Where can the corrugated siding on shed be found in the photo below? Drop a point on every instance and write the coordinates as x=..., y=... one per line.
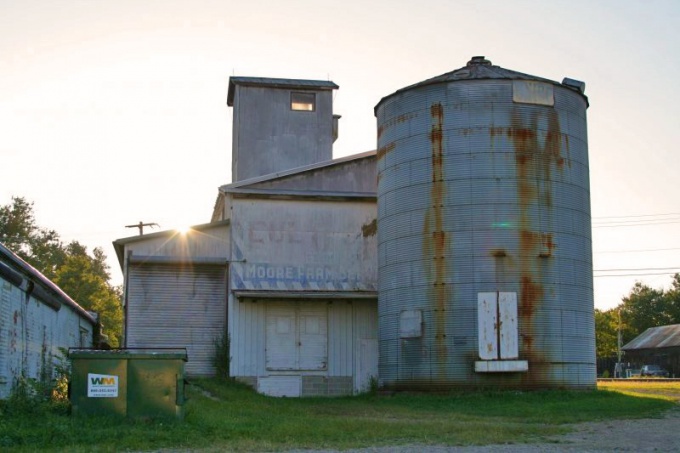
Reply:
x=178, y=306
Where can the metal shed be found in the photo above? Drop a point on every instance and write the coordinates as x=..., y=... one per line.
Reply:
x=36, y=319
x=656, y=345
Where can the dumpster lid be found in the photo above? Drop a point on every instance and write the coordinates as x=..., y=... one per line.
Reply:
x=129, y=353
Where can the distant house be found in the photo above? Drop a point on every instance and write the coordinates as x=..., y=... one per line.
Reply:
x=36, y=319
x=656, y=345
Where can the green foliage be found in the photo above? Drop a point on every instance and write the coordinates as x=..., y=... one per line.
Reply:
x=223, y=415
x=36, y=397
x=83, y=276
x=606, y=333
x=221, y=357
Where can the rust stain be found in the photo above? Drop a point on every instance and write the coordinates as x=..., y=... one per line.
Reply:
x=537, y=155
x=370, y=229
x=16, y=317
x=498, y=253
x=384, y=150
x=435, y=238
x=394, y=121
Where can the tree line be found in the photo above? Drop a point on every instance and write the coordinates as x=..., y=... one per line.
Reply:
x=644, y=307
x=84, y=276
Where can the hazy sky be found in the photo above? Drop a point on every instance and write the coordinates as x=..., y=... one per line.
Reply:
x=112, y=112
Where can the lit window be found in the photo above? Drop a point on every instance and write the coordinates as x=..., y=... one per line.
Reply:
x=303, y=101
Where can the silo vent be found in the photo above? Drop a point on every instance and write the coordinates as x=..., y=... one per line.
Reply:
x=479, y=60
x=577, y=84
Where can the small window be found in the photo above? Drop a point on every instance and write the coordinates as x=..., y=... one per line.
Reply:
x=303, y=101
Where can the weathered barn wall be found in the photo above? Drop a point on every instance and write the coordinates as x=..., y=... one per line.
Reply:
x=36, y=320
x=303, y=269
x=347, y=350
x=302, y=245
x=268, y=136
x=176, y=291
x=202, y=242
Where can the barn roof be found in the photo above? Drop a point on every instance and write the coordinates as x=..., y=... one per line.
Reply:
x=656, y=337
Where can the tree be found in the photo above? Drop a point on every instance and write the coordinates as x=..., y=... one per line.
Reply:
x=643, y=308
x=84, y=277
x=39, y=247
x=606, y=332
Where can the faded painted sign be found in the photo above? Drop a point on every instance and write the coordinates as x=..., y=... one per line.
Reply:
x=296, y=277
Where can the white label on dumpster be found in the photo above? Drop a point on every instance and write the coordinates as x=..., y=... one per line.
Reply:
x=102, y=386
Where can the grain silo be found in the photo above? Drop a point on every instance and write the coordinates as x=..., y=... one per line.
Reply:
x=484, y=232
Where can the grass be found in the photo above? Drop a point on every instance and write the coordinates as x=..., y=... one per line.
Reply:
x=222, y=415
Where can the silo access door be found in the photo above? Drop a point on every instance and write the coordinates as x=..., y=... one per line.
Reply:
x=498, y=333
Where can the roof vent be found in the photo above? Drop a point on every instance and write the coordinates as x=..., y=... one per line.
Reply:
x=576, y=84
x=479, y=60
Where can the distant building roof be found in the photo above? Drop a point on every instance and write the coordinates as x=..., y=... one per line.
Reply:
x=277, y=83
x=656, y=337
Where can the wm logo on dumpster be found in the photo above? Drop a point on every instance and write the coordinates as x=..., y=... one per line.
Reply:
x=102, y=386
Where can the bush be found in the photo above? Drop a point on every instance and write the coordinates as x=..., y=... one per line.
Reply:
x=221, y=358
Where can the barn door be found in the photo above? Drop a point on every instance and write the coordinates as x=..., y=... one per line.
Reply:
x=297, y=336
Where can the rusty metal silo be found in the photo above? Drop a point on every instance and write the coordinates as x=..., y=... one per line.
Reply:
x=484, y=232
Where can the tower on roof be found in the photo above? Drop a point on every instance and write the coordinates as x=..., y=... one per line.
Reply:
x=280, y=124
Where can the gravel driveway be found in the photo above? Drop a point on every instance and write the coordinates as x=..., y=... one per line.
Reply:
x=659, y=434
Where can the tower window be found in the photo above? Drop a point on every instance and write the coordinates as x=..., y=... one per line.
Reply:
x=303, y=101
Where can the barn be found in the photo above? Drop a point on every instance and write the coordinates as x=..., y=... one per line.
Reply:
x=36, y=319
x=658, y=346
x=287, y=267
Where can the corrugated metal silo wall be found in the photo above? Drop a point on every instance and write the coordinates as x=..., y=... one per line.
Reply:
x=477, y=193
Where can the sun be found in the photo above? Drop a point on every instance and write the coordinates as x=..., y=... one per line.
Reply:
x=183, y=229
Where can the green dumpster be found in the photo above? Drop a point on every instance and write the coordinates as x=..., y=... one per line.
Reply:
x=128, y=382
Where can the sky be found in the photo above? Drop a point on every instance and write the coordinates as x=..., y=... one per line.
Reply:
x=114, y=112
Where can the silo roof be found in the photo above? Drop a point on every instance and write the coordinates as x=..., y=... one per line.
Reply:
x=479, y=68
x=277, y=83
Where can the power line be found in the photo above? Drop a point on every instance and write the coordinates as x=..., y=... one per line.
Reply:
x=636, y=223
x=642, y=269
x=637, y=216
x=632, y=275
x=636, y=251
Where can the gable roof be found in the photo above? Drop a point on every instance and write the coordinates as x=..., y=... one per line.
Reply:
x=656, y=337
x=119, y=244
x=346, y=177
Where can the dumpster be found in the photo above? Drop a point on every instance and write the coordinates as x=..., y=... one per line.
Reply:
x=136, y=383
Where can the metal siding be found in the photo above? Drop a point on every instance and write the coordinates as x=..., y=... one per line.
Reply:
x=477, y=193
x=272, y=137
x=31, y=334
x=7, y=296
x=340, y=347
x=177, y=306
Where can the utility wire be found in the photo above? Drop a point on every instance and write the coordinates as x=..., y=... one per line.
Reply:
x=636, y=251
x=642, y=269
x=633, y=275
